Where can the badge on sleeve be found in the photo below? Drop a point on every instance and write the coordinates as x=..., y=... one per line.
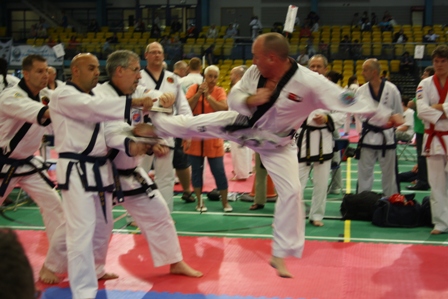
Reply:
x=419, y=93
x=170, y=80
x=347, y=98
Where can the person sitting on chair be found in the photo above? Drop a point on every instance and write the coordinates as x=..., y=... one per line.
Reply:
x=405, y=132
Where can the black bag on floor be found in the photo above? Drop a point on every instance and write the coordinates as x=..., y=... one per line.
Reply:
x=387, y=214
x=359, y=206
x=425, y=213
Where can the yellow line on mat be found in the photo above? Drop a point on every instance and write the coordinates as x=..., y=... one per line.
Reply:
x=347, y=231
x=348, y=190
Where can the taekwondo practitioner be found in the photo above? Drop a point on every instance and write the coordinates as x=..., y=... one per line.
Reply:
x=376, y=142
x=23, y=119
x=84, y=172
x=142, y=199
x=315, y=143
x=432, y=108
x=270, y=103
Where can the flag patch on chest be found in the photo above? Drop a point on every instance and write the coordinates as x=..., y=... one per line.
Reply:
x=294, y=97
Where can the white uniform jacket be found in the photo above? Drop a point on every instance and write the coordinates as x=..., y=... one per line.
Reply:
x=12, y=80
x=283, y=116
x=389, y=98
x=428, y=95
x=21, y=130
x=121, y=160
x=168, y=82
x=78, y=124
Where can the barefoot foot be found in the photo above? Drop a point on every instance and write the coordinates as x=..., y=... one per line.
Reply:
x=435, y=232
x=316, y=222
x=279, y=264
x=182, y=268
x=108, y=276
x=48, y=276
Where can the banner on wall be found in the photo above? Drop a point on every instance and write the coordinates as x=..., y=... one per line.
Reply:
x=5, y=49
x=20, y=52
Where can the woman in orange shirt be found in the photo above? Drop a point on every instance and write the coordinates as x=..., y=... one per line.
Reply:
x=206, y=98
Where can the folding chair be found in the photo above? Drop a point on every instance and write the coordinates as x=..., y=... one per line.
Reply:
x=341, y=146
x=408, y=155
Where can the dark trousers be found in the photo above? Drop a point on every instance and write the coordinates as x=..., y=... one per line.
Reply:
x=421, y=160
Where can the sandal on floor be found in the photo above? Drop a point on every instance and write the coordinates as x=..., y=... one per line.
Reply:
x=256, y=206
x=188, y=197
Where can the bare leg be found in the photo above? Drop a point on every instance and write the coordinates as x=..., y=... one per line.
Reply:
x=184, y=176
x=224, y=199
x=182, y=268
x=108, y=276
x=198, y=193
x=279, y=264
x=48, y=276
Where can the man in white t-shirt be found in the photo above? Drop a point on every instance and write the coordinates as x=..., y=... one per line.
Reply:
x=405, y=132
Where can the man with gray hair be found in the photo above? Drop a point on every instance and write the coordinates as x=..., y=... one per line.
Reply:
x=378, y=143
x=141, y=197
x=180, y=68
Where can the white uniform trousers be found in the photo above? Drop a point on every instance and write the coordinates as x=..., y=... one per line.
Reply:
x=289, y=218
x=321, y=172
x=88, y=236
x=155, y=222
x=241, y=160
x=50, y=206
x=366, y=170
x=438, y=179
x=164, y=175
x=280, y=161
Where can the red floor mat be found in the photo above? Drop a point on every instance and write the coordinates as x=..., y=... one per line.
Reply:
x=240, y=267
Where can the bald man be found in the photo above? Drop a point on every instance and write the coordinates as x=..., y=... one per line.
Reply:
x=84, y=171
x=377, y=144
x=180, y=68
x=315, y=142
x=270, y=103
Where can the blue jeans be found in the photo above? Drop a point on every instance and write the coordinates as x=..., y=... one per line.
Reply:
x=216, y=167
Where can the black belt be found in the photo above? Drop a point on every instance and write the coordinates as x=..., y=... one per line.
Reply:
x=97, y=162
x=145, y=188
x=308, y=158
x=16, y=163
x=366, y=128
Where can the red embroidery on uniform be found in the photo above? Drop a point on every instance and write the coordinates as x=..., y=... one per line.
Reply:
x=294, y=97
x=170, y=80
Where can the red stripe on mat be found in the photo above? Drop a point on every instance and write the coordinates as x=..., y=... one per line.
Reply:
x=240, y=267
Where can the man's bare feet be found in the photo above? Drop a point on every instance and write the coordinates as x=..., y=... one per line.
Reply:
x=279, y=264
x=436, y=232
x=182, y=268
x=316, y=222
x=108, y=276
x=48, y=276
